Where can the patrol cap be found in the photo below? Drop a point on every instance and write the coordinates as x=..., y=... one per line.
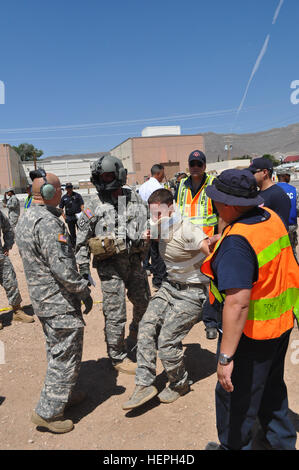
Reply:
x=261, y=163
x=68, y=185
x=198, y=156
x=235, y=188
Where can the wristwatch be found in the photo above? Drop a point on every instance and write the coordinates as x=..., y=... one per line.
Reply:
x=224, y=359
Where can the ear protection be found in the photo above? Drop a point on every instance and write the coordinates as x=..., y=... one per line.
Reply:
x=47, y=190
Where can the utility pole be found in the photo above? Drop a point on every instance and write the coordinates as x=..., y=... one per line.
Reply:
x=228, y=146
x=34, y=160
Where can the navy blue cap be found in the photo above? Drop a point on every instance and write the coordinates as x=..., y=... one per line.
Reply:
x=197, y=155
x=68, y=185
x=235, y=188
x=261, y=163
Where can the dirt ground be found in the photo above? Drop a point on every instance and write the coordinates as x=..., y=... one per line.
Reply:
x=100, y=423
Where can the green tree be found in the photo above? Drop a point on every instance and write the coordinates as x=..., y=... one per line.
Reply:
x=28, y=152
x=272, y=158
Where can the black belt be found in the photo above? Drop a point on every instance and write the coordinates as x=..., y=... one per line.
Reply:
x=182, y=286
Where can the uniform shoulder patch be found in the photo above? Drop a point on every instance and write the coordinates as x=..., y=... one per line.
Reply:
x=62, y=238
x=88, y=213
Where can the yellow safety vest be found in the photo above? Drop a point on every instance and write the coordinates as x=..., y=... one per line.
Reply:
x=199, y=209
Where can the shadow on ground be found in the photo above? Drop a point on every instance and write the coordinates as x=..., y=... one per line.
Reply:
x=200, y=363
x=99, y=380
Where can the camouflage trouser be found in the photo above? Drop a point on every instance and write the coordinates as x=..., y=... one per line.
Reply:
x=169, y=317
x=118, y=274
x=293, y=238
x=64, y=353
x=8, y=281
x=13, y=219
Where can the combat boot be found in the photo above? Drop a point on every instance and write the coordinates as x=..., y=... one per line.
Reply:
x=57, y=425
x=170, y=394
x=20, y=315
x=141, y=395
x=126, y=366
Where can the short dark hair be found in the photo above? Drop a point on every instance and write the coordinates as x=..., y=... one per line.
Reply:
x=157, y=168
x=161, y=196
x=281, y=176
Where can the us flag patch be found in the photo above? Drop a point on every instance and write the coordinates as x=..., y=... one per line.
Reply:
x=88, y=213
x=62, y=238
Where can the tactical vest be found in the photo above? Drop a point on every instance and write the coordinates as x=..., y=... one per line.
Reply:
x=275, y=295
x=199, y=209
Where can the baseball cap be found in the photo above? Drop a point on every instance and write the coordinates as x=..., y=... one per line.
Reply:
x=68, y=185
x=261, y=163
x=235, y=188
x=197, y=155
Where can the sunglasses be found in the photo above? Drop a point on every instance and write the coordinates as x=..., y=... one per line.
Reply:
x=195, y=163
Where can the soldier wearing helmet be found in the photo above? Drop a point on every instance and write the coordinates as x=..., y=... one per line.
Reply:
x=111, y=229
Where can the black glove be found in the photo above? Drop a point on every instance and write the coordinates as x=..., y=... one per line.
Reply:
x=84, y=271
x=88, y=302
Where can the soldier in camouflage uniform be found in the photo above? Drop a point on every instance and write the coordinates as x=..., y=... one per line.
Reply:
x=175, y=308
x=8, y=277
x=110, y=228
x=13, y=206
x=56, y=289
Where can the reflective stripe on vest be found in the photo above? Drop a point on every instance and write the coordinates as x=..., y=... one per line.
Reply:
x=199, y=209
x=28, y=201
x=275, y=294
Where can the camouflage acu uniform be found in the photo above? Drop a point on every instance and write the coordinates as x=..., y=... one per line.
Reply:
x=124, y=219
x=56, y=289
x=13, y=206
x=8, y=277
x=169, y=317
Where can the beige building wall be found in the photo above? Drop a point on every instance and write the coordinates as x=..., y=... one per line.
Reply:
x=172, y=151
x=124, y=152
x=12, y=174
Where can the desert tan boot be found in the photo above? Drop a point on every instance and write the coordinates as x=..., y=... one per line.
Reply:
x=20, y=315
x=57, y=425
x=126, y=366
x=141, y=395
x=169, y=394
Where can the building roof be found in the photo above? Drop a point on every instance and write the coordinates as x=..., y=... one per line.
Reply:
x=80, y=156
x=181, y=136
x=291, y=158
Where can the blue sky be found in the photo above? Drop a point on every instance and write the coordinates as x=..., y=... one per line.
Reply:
x=84, y=76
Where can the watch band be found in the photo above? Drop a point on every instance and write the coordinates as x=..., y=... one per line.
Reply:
x=224, y=359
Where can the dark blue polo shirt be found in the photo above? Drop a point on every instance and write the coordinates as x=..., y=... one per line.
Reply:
x=235, y=264
x=276, y=199
x=188, y=184
x=72, y=205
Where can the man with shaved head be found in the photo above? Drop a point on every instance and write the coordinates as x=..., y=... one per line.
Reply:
x=56, y=290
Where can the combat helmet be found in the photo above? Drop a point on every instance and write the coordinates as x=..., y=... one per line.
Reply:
x=108, y=164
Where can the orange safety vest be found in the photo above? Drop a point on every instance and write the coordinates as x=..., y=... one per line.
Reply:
x=199, y=209
x=275, y=295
